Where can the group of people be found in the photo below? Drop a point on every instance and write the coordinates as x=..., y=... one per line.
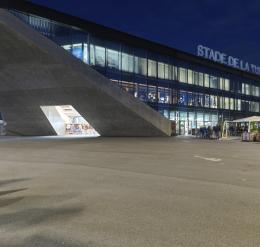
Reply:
x=237, y=130
x=209, y=132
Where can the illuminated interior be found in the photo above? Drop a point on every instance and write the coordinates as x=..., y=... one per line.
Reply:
x=66, y=121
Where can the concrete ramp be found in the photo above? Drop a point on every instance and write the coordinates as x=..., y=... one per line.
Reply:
x=36, y=72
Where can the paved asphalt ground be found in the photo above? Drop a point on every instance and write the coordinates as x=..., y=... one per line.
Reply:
x=136, y=192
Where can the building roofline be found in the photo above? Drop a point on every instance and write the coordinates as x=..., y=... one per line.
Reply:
x=113, y=34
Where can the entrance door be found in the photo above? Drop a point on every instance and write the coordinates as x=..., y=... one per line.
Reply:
x=184, y=128
x=192, y=128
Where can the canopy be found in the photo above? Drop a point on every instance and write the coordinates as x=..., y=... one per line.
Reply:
x=247, y=119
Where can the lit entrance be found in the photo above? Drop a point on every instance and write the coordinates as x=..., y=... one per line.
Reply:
x=187, y=127
x=184, y=128
x=65, y=120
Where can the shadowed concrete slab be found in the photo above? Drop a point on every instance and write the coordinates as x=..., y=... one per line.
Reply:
x=34, y=71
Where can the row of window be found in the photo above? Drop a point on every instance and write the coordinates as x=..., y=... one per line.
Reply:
x=112, y=59
x=163, y=95
x=188, y=121
x=121, y=58
x=191, y=116
x=248, y=89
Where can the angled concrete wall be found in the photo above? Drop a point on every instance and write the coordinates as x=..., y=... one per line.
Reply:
x=34, y=71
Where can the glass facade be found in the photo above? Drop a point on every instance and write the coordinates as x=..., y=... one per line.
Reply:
x=189, y=94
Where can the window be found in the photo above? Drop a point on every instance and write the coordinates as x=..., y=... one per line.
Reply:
x=112, y=59
x=245, y=105
x=174, y=73
x=130, y=88
x=196, y=78
x=168, y=74
x=77, y=51
x=227, y=85
x=201, y=79
x=152, y=92
x=255, y=91
x=162, y=97
x=183, y=116
x=172, y=115
x=199, y=100
x=67, y=47
x=245, y=88
x=41, y=24
x=206, y=80
x=161, y=70
x=152, y=68
x=206, y=117
x=214, y=119
x=142, y=92
x=213, y=101
x=231, y=104
x=239, y=87
x=167, y=96
x=192, y=116
x=254, y=107
x=226, y=102
x=221, y=83
x=206, y=103
x=221, y=104
x=200, y=119
x=190, y=76
x=140, y=65
x=213, y=81
x=97, y=55
x=174, y=96
x=166, y=113
x=191, y=99
x=238, y=104
x=183, y=75
x=182, y=99
x=224, y=84
x=85, y=53
x=127, y=62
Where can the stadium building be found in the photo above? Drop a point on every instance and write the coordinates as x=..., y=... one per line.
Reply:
x=56, y=69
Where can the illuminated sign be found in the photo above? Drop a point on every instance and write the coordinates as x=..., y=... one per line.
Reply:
x=223, y=58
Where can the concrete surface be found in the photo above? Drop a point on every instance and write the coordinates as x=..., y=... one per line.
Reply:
x=129, y=192
x=36, y=72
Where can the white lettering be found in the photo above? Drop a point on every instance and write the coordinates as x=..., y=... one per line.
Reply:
x=253, y=68
x=206, y=52
x=218, y=56
x=200, y=51
x=212, y=55
x=247, y=67
x=236, y=63
x=223, y=58
x=230, y=61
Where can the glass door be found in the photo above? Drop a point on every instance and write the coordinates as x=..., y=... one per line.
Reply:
x=184, y=128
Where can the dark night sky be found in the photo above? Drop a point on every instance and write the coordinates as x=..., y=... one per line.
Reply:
x=229, y=26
